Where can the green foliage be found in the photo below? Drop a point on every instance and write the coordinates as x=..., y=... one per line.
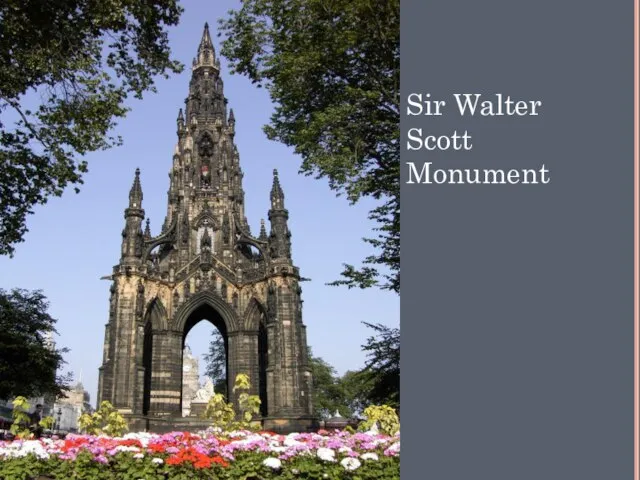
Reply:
x=68, y=69
x=216, y=362
x=333, y=71
x=220, y=412
x=328, y=390
x=21, y=419
x=382, y=370
x=356, y=389
x=249, y=405
x=242, y=383
x=29, y=365
x=223, y=414
x=47, y=422
x=106, y=420
x=383, y=416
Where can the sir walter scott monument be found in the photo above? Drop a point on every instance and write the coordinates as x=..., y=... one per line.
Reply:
x=205, y=265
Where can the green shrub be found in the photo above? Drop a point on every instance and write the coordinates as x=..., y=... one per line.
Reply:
x=21, y=419
x=106, y=420
x=223, y=414
x=383, y=416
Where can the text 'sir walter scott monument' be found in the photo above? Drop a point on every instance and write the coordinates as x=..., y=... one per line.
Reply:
x=519, y=252
x=467, y=104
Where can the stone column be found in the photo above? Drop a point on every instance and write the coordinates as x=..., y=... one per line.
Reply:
x=166, y=374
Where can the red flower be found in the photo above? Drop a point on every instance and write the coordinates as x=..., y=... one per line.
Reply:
x=220, y=461
x=130, y=442
x=197, y=459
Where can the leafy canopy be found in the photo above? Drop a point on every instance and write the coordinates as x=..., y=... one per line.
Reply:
x=332, y=68
x=29, y=362
x=382, y=370
x=67, y=69
x=328, y=393
x=216, y=362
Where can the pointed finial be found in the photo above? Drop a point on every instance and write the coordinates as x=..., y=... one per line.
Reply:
x=232, y=117
x=277, y=195
x=180, y=122
x=205, y=42
x=135, y=195
x=206, y=52
x=147, y=229
x=263, y=230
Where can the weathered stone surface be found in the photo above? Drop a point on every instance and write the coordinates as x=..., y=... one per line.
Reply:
x=205, y=264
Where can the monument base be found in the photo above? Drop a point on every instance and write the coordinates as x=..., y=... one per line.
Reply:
x=197, y=409
x=289, y=424
x=153, y=424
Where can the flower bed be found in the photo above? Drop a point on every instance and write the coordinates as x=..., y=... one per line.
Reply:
x=181, y=455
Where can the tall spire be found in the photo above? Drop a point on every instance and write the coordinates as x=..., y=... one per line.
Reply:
x=263, y=231
x=180, y=122
x=277, y=195
x=135, y=194
x=147, y=230
x=206, y=52
x=132, y=236
x=280, y=238
x=205, y=42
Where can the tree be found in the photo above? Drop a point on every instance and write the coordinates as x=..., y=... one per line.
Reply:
x=383, y=365
x=67, y=69
x=328, y=394
x=356, y=387
x=332, y=68
x=216, y=361
x=29, y=362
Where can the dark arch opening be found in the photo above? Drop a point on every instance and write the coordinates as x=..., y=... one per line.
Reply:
x=207, y=313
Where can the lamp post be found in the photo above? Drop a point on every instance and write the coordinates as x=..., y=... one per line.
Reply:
x=59, y=415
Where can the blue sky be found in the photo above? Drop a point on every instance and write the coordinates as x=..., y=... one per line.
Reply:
x=75, y=240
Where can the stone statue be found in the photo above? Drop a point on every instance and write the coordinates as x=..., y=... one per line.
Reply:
x=204, y=394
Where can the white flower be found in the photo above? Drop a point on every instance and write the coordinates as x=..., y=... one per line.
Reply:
x=143, y=437
x=271, y=462
x=22, y=449
x=374, y=429
x=290, y=441
x=157, y=461
x=139, y=455
x=344, y=450
x=326, y=454
x=350, y=463
x=369, y=456
x=126, y=448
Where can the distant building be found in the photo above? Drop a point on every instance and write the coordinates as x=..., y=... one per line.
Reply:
x=190, y=379
x=66, y=411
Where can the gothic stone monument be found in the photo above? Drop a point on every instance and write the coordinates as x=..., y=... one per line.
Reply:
x=205, y=265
